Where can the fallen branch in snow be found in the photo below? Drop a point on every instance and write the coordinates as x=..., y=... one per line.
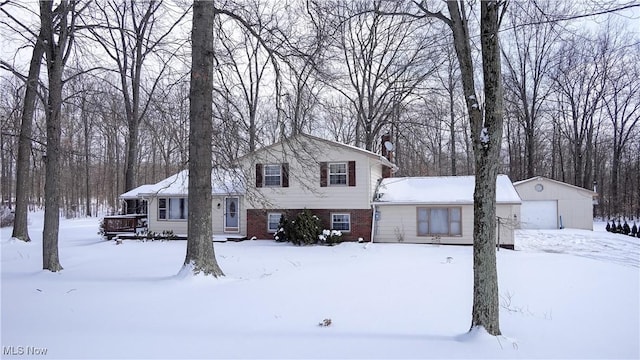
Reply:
x=506, y=304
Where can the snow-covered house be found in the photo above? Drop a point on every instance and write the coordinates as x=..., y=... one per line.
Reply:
x=439, y=210
x=552, y=204
x=336, y=182
x=167, y=203
x=346, y=187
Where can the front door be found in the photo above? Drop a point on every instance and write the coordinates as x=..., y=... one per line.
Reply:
x=231, y=214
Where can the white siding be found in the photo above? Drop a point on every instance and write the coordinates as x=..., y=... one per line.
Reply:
x=398, y=223
x=575, y=205
x=304, y=191
x=179, y=227
x=218, y=213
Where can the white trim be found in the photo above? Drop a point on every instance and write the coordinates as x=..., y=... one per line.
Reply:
x=226, y=228
x=349, y=223
x=269, y=230
x=429, y=222
x=542, y=178
x=167, y=209
x=346, y=173
x=264, y=175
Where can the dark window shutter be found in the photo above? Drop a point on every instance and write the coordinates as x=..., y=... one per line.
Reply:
x=285, y=175
x=352, y=173
x=258, y=175
x=323, y=174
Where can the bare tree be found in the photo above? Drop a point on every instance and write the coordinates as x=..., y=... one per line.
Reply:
x=242, y=65
x=486, y=132
x=58, y=29
x=579, y=85
x=309, y=64
x=20, y=230
x=386, y=58
x=529, y=60
x=200, y=256
x=451, y=86
x=622, y=105
x=130, y=36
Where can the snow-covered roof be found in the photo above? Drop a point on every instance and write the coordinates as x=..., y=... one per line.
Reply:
x=222, y=182
x=133, y=193
x=440, y=190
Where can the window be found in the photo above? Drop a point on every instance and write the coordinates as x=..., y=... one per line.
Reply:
x=272, y=175
x=338, y=174
x=173, y=208
x=439, y=221
x=273, y=222
x=341, y=222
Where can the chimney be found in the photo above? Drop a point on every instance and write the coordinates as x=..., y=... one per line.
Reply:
x=387, y=152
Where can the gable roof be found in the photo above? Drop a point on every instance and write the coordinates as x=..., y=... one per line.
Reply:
x=440, y=190
x=297, y=137
x=222, y=182
x=542, y=178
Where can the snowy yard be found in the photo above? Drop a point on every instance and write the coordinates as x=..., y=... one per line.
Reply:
x=565, y=294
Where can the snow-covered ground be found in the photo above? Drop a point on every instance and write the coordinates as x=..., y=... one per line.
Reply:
x=565, y=294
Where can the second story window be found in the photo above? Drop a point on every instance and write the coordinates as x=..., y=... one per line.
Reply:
x=272, y=175
x=338, y=174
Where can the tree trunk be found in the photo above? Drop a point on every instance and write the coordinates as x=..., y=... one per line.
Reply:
x=50, y=259
x=87, y=158
x=20, y=230
x=531, y=148
x=130, y=170
x=487, y=155
x=452, y=122
x=200, y=256
x=487, y=138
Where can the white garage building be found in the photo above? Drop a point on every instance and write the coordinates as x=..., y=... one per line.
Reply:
x=552, y=204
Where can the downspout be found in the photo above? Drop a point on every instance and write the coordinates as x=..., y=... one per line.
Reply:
x=373, y=222
x=373, y=208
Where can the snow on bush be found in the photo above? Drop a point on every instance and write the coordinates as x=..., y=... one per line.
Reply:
x=6, y=216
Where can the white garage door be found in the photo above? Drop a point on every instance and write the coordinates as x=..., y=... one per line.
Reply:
x=539, y=215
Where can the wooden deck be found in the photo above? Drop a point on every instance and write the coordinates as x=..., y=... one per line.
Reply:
x=216, y=237
x=114, y=225
x=134, y=227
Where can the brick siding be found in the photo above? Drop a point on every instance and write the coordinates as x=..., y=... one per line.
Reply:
x=360, y=222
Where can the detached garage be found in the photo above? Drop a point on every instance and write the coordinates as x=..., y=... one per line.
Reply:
x=552, y=204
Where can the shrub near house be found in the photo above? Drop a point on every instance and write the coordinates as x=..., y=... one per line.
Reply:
x=305, y=230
